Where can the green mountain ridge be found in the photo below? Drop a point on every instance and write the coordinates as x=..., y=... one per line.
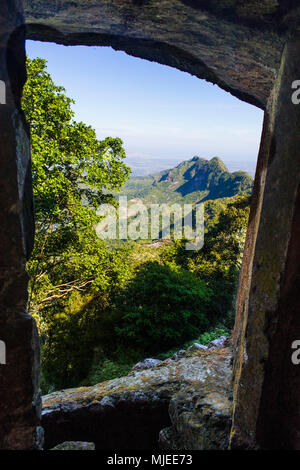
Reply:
x=192, y=181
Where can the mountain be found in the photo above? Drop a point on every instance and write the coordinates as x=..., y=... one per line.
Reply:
x=193, y=181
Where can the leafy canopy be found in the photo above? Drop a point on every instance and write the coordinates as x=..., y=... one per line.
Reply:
x=69, y=162
x=99, y=309
x=71, y=272
x=162, y=307
x=73, y=172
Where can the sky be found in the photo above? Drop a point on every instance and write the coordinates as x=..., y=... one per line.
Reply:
x=161, y=113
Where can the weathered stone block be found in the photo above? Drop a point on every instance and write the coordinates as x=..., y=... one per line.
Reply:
x=19, y=376
x=267, y=383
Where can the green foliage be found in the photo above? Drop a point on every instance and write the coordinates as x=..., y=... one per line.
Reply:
x=102, y=307
x=69, y=163
x=209, y=336
x=108, y=370
x=204, y=339
x=117, y=364
x=73, y=173
x=162, y=306
x=218, y=263
x=74, y=320
x=71, y=274
x=191, y=181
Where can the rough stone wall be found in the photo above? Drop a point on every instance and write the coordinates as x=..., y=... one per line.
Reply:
x=267, y=382
x=19, y=377
x=234, y=43
x=181, y=404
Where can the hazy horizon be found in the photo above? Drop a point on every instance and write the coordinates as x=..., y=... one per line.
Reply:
x=163, y=115
x=144, y=167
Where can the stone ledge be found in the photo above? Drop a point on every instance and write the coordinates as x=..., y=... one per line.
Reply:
x=191, y=393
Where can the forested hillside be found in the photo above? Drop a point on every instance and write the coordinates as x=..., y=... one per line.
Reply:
x=195, y=180
x=101, y=308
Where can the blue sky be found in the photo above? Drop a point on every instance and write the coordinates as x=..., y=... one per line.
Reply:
x=159, y=112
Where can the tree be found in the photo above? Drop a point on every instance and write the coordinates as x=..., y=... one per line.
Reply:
x=218, y=263
x=161, y=307
x=73, y=172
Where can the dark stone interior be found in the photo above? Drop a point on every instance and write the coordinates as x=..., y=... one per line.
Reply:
x=249, y=48
x=126, y=426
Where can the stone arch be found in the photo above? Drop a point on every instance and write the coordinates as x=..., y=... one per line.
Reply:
x=237, y=48
x=237, y=45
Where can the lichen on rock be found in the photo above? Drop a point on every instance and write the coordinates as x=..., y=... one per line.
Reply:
x=191, y=396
